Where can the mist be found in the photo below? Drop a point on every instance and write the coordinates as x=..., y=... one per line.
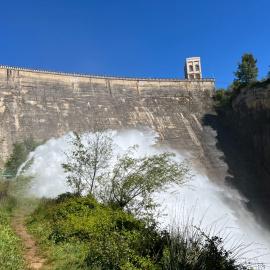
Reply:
x=213, y=206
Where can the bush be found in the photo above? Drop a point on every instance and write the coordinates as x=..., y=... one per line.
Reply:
x=96, y=236
x=10, y=204
x=222, y=99
x=112, y=238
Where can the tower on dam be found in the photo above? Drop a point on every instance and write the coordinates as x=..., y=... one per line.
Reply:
x=193, y=69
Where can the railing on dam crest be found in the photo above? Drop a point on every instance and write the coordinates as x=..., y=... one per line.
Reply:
x=101, y=76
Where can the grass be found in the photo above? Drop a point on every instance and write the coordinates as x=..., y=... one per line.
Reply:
x=10, y=245
x=190, y=245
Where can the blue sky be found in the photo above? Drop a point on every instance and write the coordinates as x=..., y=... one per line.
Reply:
x=135, y=38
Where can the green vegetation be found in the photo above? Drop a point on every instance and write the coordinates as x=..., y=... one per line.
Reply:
x=104, y=230
x=247, y=70
x=223, y=99
x=10, y=246
x=246, y=74
x=130, y=183
x=20, y=153
x=88, y=160
x=12, y=184
x=105, y=238
x=80, y=233
x=12, y=189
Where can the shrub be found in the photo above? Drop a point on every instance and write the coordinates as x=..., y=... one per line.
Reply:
x=222, y=99
x=96, y=236
x=112, y=238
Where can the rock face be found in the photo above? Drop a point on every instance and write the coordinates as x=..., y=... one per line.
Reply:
x=49, y=104
x=252, y=107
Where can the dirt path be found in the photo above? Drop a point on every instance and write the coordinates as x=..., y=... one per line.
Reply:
x=31, y=251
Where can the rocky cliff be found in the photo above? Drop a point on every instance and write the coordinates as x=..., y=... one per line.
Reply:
x=252, y=108
x=245, y=144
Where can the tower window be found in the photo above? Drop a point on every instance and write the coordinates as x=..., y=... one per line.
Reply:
x=197, y=67
x=190, y=68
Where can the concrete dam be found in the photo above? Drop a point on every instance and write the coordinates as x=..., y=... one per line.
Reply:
x=48, y=104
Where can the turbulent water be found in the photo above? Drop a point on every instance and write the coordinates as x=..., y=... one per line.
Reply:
x=201, y=199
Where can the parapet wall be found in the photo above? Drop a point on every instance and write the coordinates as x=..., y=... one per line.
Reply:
x=96, y=76
x=48, y=104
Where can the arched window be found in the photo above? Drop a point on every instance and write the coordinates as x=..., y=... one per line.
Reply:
x=197, y=67
x=190, y=68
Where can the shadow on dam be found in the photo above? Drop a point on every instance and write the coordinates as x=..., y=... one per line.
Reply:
x=243, y=174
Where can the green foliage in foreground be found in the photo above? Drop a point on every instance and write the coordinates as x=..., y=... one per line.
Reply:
x=10, y=246
x=12, y=189
x=100, y=237
x=80, y=233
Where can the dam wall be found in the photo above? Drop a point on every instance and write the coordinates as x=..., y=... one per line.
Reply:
x=48, y=104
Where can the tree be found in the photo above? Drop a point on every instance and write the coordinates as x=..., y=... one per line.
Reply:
x=88, y=160
x=17, y=157
x=247, y=70
x=19, y=154
x=128, y=184
x=268, y=75
x=131, y=183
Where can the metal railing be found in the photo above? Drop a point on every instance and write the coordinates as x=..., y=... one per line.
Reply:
x=101, y=76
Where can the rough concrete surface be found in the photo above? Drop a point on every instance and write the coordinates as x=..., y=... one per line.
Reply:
x=50, y=104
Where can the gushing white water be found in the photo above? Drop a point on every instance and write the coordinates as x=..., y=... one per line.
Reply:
x=208, y=199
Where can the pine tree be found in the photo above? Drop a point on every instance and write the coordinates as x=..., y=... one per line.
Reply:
x=247, y=70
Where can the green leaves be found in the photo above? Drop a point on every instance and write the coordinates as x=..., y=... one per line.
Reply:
x=20, y=153
x=223, y=99
x=111, y=239
x=128, y=184
x=247, y=70
x=133, y=181
x=88, y=159
x=10, y=246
